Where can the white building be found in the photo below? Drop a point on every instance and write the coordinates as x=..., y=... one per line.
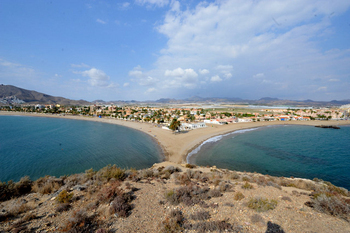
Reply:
x=191, y=126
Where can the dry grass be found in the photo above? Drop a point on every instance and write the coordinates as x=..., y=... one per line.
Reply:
x=47, y=185
x=330, y=204
x=261, y=204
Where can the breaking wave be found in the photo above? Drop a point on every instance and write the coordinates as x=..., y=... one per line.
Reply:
x=215, y=139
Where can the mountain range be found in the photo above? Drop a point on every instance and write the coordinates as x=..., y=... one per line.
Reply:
x=14, y=95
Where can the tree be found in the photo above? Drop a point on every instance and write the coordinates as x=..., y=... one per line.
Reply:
x=175, y=125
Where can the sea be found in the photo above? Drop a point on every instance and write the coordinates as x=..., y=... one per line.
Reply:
x=293, y=150
x=39, y=146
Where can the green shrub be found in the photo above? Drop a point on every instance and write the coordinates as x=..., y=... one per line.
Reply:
x=247, y=186
x=110, y=172
x=238, y=196
x=190, y=166
x=64, y=197
x=246, y=178
x=262, y=204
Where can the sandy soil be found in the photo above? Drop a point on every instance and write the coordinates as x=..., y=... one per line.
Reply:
x=177, y=146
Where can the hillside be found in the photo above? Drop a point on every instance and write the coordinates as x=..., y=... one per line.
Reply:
x=173, y=198
x=15, y=95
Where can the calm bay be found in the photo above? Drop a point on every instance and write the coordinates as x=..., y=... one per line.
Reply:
x=299, y=151
x=39, y=146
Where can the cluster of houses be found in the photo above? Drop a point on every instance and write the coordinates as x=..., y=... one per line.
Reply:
x=195, y=118
x=191, y=118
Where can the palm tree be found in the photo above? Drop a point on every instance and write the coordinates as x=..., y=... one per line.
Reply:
x=175, y=125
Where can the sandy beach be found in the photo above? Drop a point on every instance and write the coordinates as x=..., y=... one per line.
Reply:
x=177, y=146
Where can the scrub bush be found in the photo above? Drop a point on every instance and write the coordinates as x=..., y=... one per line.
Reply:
x=246, y=185
x=173, y=222
x=64, y=197
x=238, y=196
x=262, y=204
x=110, y=172
x=330, y=204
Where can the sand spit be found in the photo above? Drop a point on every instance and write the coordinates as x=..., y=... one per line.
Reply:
x=177, y=146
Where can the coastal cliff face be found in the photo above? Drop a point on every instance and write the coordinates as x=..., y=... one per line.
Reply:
x=173, y=198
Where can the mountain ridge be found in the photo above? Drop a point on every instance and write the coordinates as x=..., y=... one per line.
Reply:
x=14, y=95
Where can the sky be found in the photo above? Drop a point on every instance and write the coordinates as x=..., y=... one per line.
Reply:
x=151, y=49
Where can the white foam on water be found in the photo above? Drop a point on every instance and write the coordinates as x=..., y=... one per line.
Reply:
x=215, y=139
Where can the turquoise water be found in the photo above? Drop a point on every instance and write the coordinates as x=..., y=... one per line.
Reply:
x=38, y=146
x=299, y=151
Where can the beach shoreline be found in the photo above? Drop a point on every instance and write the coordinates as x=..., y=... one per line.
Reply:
x=176, y=147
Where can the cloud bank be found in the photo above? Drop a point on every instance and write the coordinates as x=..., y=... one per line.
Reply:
x=251, y=48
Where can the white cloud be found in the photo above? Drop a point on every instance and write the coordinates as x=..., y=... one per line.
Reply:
x=136, y=73
x=203, y=71
x=216, y=78
x=181, y=78
x=158, y=3
x=235, y=38
x=175, y=72
x=142, y=78
x=333, y=80
x=126, y=84
x=97, y=78
x=100, y=21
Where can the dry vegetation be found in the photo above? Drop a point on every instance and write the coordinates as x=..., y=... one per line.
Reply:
x=172, y=198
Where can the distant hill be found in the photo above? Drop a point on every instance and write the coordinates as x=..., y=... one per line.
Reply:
x=14, y=95
x=263, y=101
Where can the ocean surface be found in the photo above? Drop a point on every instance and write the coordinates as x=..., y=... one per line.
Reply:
x=39, y=146
x=299, y=151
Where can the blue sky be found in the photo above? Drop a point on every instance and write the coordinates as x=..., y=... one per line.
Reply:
x=151, y=49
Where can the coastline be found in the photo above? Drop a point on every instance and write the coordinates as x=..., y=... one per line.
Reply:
x=176, y=147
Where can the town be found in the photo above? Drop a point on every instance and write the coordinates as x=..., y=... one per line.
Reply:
x=189, y=117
